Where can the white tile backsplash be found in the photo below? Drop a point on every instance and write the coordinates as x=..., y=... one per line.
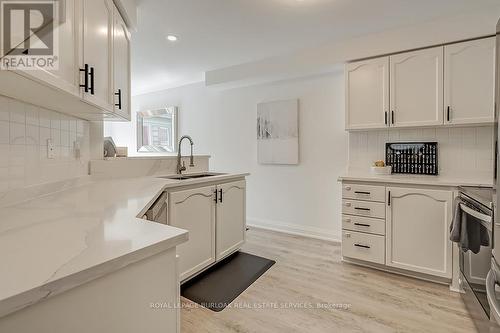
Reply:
x=17, y=133
x=24, y=131
x=462, y=151
x=4, y=132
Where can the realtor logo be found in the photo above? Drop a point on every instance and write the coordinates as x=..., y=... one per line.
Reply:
x=28, y=34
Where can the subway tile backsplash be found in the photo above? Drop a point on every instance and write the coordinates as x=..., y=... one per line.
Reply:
x=24, y=131
x=463, y=151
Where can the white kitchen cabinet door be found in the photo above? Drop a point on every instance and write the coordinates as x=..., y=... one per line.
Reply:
x=416, y=93
x=469, y=76
x=98, y=52
x=67, y=28
x=367, y=94
x=417, y=230
x=121, y=66
x=231, y=218
x=194, y=210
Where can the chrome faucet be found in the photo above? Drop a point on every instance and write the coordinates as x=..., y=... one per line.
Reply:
x=182, y=167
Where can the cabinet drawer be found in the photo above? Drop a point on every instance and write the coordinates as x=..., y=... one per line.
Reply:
x=363, y=192
x=363, y=224
x=363, y=208
x=362, y=246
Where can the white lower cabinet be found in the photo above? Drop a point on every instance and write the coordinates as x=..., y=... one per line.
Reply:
x=215, y=217
x=363, y=224
x=363, y=246
x=363, y=208
x=417, y=230
x=194, y=210
x=231, y=218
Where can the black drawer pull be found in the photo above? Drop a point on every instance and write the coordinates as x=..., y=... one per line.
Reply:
x=216, y=198
x=91, y=87
x=361, y=208
x=362, y=224
x=361, y=245
x=119, y=94
x=85, y=85
x=362, y=192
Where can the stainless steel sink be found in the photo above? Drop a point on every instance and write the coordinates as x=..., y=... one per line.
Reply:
x=192, y=175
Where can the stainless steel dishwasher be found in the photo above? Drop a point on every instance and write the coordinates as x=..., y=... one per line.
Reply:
x=158, y=212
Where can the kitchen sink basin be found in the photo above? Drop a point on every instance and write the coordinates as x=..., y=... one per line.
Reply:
x=192, y=176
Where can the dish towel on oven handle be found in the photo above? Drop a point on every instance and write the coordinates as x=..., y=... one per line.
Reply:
x=466, y=230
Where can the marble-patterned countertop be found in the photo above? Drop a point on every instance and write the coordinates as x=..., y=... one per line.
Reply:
x=64, y=238
x=480, y=181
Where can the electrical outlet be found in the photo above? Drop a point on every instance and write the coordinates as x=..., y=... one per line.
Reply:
x=51, y=154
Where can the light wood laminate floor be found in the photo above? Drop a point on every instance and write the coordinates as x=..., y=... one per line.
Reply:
x=310, y=272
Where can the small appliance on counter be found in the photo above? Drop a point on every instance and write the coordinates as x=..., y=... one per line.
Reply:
x=109, y=147
x=418, y=158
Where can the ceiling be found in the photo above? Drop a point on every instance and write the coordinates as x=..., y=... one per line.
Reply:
x=219, y=33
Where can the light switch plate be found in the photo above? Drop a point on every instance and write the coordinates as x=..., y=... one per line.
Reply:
x=51, y=154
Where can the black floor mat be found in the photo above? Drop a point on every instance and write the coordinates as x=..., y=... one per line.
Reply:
x=218, y=286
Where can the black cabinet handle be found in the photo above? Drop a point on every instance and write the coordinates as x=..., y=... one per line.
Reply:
x=448, y=113
x=389, y=198
x=215, y=196
x=361, y=245
x=85, y=84
x=119, y=94
x=91, y=73
x=362, y=208
x=220, y=195
x=392, y=117
x=362, y=224
x=385, y=117
x=362, y=192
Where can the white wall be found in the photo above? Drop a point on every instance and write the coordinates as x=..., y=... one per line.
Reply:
x=304, y=198
x=24, y=130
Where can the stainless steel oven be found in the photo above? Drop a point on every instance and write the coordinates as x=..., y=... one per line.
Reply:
x=493, y=278
x=477, y=205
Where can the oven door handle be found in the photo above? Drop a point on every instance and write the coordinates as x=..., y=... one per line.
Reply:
x=476, y=214
x=490, y=294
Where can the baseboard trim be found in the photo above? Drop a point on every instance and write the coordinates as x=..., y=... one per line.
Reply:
x=294, y=229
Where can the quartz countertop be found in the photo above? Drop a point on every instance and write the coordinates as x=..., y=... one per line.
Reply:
x=62, y=239
x=480, y=181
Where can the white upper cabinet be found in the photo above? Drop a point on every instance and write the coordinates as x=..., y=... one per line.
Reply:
x=417, y=230
x=67, y=29
x=98, y=56
x=88, y=70
x=416, y=93
x=121, y=66
x=469, y=77
x=450, y=85
x=367, y=93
